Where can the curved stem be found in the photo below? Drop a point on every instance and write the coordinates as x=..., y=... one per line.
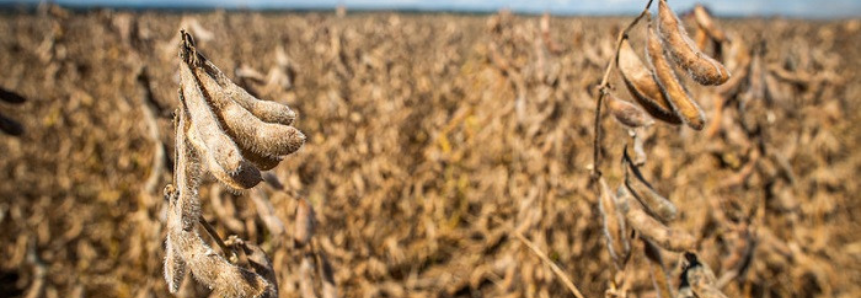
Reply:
x=602, y=91
x=229, y=254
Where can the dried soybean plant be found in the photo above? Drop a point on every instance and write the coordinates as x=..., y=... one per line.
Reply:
x=662, y=95
x=222, y=130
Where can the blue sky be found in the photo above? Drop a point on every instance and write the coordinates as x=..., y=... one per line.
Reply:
x=793, y=8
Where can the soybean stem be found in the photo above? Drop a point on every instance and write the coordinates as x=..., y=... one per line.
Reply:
x=558, y=271
x=214, y=235
x=602, y=92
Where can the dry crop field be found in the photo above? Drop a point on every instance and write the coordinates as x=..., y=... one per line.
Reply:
x=441, y=149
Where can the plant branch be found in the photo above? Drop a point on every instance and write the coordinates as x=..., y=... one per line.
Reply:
x=558, y=271
x=229, y=253
x=602, y=92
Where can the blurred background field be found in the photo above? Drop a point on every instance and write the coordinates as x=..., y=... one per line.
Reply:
x=432, y=139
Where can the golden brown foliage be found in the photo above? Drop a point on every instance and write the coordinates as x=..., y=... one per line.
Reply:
x=415, y=147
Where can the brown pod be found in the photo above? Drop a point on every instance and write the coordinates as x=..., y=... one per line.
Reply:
x=11, y=97
x=773, y=90
x=627, y=113
x=679, y=98
x=327, y=274
x=704, y=20
x=223, y=149
x=266, y=139
x=10, y=127
x=306, y=278
x=701, y=278
x=653, y=230
x=186, y=170
x=643, y=85
x=614, y=226
x=684, y=52
x=640, y=156
x=738, y=56
x=245, y=177
x=261, y=264
x=756, y=85
x=305, y=223
x=264, y=163
x=738, y=62
x=268, y=111
x=656, y=204
x=174, y=267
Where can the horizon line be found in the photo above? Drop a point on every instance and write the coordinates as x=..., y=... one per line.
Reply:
x=409, y=7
